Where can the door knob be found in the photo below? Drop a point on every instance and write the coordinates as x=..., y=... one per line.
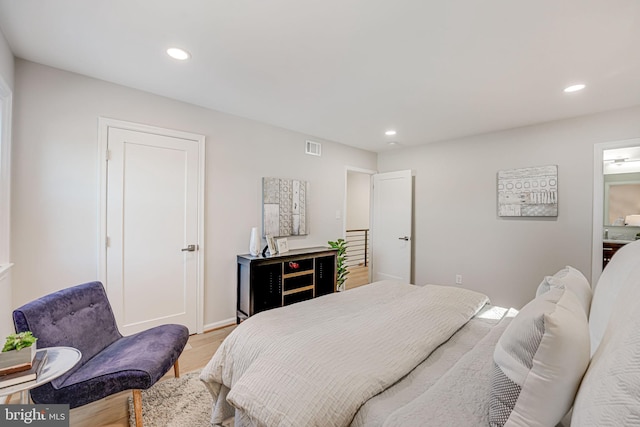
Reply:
x=190, y=248
x=405, y=238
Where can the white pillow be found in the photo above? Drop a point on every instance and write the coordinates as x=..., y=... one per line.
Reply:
x=539, y=362
x=610, y=391
x=571, y=279
x=616, y=277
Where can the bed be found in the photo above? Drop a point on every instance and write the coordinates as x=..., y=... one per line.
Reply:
x=394, y=354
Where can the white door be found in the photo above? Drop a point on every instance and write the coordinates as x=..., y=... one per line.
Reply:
x=153, y=189
x=391, y=226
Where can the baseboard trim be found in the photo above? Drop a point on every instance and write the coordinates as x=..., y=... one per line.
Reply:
x=221, y=324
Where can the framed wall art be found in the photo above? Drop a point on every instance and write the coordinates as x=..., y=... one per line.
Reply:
x=528, y=192
x=284, y=207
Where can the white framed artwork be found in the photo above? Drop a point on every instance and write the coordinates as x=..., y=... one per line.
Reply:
x=271, y=244
x=283, y=245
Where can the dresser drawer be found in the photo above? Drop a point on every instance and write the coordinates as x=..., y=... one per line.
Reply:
x=298, y=266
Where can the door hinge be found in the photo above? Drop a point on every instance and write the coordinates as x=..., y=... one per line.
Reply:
x=107, y=242
x=108, y=155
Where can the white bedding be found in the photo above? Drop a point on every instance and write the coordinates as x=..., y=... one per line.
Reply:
x=459, y=396
x=281, y=371
x=451, y=387
x=379, y=409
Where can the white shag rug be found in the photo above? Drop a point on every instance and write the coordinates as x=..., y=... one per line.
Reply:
x=176, y=402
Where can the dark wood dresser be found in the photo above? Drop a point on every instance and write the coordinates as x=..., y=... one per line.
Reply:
x=609, y=249
x=275, y=281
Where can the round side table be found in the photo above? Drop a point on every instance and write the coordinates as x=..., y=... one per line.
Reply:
x=59, y=360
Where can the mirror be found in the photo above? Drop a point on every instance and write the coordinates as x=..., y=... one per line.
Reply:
x=621, y=199
x=621, y=169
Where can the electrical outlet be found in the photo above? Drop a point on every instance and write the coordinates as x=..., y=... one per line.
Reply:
x=458, y=279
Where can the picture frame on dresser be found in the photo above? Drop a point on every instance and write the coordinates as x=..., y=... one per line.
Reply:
x=271, y=244
x=282, y=245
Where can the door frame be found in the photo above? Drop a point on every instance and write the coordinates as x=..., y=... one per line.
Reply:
x=598, y=201
x=103, y=138
x=369, y=172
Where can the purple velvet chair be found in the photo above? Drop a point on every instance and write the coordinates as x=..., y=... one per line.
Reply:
x=81, y=317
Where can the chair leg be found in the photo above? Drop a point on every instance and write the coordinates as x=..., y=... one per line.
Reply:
x=176, y=370
x=137, y=407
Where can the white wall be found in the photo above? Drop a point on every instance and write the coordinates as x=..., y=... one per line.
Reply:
x=6, y=325
x=6, y=62
x=6, y=322
x=55, y=162
x=358, y=197
x=457, y=230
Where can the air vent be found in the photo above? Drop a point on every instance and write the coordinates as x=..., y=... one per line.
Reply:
x=313, y=148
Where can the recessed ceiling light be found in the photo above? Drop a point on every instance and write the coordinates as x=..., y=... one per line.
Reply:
x=574, y=88
x=390, y=132
x=177, y=53
x=392, y=143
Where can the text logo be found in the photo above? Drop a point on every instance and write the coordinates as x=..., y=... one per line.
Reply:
x=34, y=415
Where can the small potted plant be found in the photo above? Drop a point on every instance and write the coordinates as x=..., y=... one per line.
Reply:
x=18, y=351
x=342, y=272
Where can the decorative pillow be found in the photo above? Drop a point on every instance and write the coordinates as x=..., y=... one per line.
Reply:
x=539, y=362
x=571, y=279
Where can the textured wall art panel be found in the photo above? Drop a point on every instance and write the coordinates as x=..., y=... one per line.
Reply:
x=528, y=191
x=284, y=207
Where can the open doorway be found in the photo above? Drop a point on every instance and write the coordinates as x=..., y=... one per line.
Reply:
x=357, y=226
x=616, y=210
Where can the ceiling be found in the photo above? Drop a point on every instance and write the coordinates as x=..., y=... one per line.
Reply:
x=348, y=70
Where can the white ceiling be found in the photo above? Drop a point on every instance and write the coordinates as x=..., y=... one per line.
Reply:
x=347, y=70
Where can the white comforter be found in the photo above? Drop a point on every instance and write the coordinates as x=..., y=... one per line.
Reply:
x=460, y=396
x=383, y=408
x=315, y=363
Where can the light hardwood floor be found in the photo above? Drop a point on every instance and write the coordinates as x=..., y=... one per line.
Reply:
x=113, y=411
x=358, y=276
